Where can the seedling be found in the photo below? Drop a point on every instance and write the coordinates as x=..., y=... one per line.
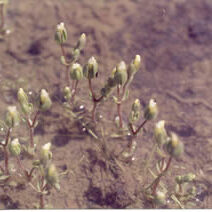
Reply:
x=3, y=30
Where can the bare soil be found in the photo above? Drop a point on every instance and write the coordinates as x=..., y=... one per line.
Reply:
x=174, y=39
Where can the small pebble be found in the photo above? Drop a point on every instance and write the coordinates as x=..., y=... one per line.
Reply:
x=81, y=107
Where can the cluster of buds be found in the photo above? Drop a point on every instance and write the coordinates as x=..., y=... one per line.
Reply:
x=67, y=93
x=44, y=100
x=12, y=117
x=135, y=111
x=24, y=102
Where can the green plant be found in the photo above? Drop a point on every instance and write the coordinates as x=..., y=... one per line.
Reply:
x=167, y=145
x=42, y=175
x=3, y=31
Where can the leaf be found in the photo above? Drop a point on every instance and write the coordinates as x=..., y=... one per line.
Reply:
x=126, y=95
x=4, y=177
x=115, y=99
x=57, y=186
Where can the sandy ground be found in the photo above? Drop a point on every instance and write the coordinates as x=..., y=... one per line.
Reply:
x=174, y=40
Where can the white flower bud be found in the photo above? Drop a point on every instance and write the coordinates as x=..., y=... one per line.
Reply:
x=45, y=101
x=160, y=133
x=15, y=147
x=120, y=76
x=91, y=69
x=76, y=71
x=61, y=33
x=45, y=154
x=81, y=41
x=151, y=110
x=175, y=147
x=52, y=175
x=12, y=116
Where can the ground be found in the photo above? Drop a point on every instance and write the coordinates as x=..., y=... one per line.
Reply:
x=174, y=41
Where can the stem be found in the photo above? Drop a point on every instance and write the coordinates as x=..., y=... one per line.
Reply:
x=22, y=167
x=6, y=155
x=31, y=128
x=67, y=65
x=74, y=89
x=119, y=107
x=157, y=180
x=41, y=201
x=43, y=187
x=135, y=132
x=94, y=99
x=2, y=16
x=6, y=160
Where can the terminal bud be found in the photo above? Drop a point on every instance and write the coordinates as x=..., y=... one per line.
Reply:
x=76, y=72
x=120, y=75
x=12, y=117
x=91, y=68
x=151, y=110
x=174, y=146
x=61, y=33
x=160, y=133
x=15, y=147
x=45, y=101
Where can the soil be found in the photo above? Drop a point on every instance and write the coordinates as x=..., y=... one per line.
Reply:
x=174, y=39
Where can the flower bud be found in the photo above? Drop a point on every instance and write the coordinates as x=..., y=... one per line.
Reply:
x=120, y=76
x=61, y=33
x=76, y=54
x=135, y=111
x=137, y=62
x=160, y=198
x=45, y=101
x=22, y=96
x=91, y=69
x=160, y=133
x=45, y=154
x=12, y=116
x=81, y=42
x=15, y=147
x=188, y=177
x=23, y=99
x=76, y=72
x=52, y=176
x=151, y=110
x=178, y=180
x=67, y=93
x=174, y=146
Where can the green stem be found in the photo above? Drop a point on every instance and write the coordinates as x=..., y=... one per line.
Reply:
x=157, y=180
x=94, y=99
x=2, y=17
x=119, y=107
x=6, y=154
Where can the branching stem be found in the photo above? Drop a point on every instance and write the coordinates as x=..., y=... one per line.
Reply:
x=94, y=99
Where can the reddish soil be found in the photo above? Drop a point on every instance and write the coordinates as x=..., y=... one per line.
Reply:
x=174, y=39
